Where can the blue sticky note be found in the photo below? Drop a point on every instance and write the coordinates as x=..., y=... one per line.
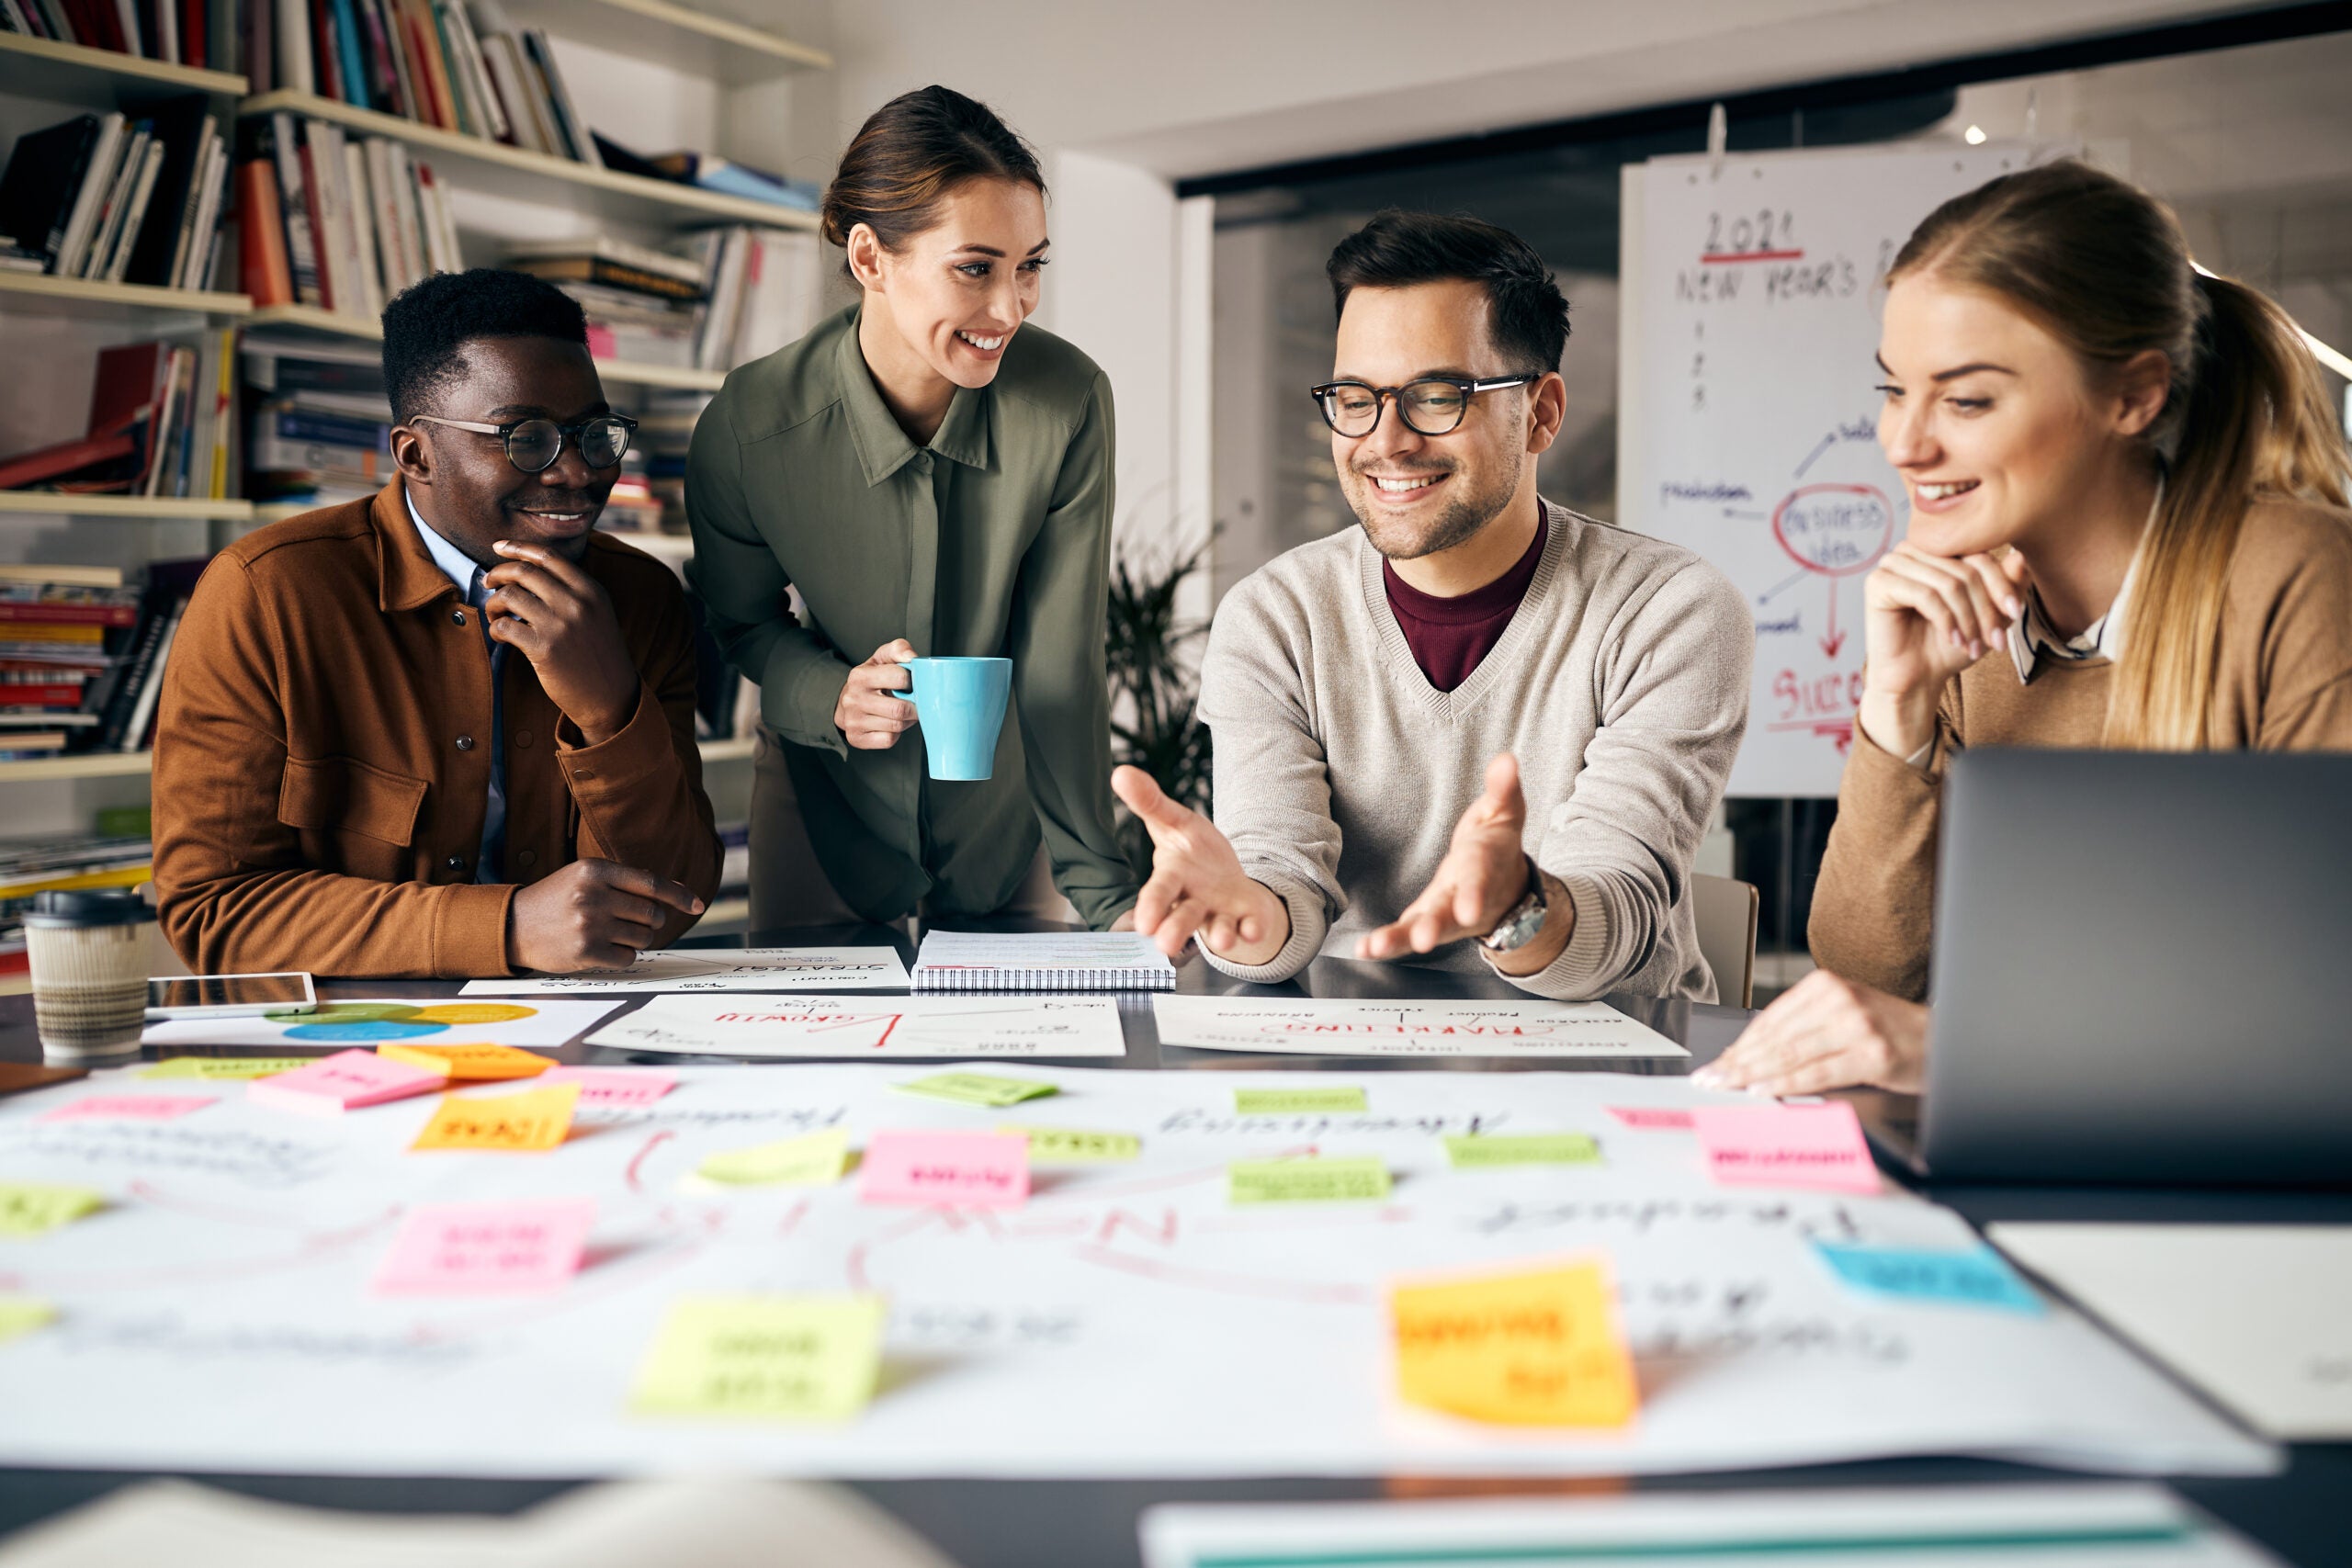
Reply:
x=1979, y=1277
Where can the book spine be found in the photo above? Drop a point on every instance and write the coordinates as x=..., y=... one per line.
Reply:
x=141, y=722
x=134, y=216
x=302, y=246
x=263, y=272
x=39, y=613
x=129, y=679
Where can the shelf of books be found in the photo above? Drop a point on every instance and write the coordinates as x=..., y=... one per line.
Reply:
x=125, y=508
x=57, y=71
x=52, y=295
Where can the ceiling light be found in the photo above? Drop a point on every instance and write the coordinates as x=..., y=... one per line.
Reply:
x=1973, y=135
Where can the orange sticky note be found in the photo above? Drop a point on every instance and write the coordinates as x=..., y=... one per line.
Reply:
x=521, y=1124
x=1539, y=1349
x=469, y=1064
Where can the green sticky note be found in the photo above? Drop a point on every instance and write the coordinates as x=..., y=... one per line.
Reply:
x=1535, y=1148
x=978, y=1089
x=1072, y=1145
x=226, y=1066
x=1306, y=1180
x=814, y=1160
x=1273, y=1101
x=28, y=1208
x=774, y=1358
x=22, y=1314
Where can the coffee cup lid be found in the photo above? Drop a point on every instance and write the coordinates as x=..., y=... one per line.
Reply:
x=71, y=911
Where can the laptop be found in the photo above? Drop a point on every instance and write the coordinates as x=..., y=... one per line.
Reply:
x=2142, y=970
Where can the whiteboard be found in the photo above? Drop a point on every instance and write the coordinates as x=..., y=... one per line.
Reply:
x=1748, y=427
x=1127, y=1321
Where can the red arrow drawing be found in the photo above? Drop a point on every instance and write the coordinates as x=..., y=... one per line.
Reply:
x=1833, y=639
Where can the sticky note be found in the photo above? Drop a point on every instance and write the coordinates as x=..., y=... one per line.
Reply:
x=509, y=1247
x=470, y=1063
x=529, y=1123
x=1534, y=1148
x=28, y=1208
x=813, y=1160
x=129, y=1108
x=1817, y=1146
x=775, y=1358
x=1073, y=1146
x=225, y=1067
x=22, y=1314
x=978, y=1089
x=1306, y=1180
x=473, y=1012
x=344, y=1081
x=1976, y=1277
x=1539, y=1349
x=977, y=1169
x=1275, y=1101
x=1650, y=1118
x=613, y=1086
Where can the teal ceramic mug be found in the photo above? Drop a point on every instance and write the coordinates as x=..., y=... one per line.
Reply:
x=960, y=704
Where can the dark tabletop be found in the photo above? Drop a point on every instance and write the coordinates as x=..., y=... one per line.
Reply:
x=2301, y=1514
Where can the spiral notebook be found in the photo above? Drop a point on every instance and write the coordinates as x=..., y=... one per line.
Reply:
x=1041, y=961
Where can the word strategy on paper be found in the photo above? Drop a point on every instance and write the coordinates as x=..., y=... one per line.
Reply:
x=1280, y=1025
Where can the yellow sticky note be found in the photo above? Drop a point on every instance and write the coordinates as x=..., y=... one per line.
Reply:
x=1541, y=1348
x=1283, y=1101
x=1074, y=1145
x=28, y=1208
x=22, y=1314
x=775, y=1358
x=535, y=1120
x=225, y=1067
x=470, y=1063
x=813, y=1160
x=978, y=1089
x=1306, y=1180
x=1482, y=1150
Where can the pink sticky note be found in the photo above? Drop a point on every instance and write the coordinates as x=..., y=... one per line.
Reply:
x=980, y=1170
x=130, y=1108
x=1786, y=1146
x=613, y=1086
x=515, y=1247
x=343, y=1081
x=1651, y=1120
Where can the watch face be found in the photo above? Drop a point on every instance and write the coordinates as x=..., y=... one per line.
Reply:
x=1519, y=926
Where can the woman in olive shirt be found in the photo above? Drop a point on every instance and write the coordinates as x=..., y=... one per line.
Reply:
x=932, y=477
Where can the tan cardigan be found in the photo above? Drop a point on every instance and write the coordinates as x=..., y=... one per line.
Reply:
x=2284, y=683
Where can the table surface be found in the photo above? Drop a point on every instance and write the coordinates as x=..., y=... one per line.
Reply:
x=2299, y=1513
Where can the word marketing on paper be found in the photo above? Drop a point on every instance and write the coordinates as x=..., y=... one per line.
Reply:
x=1406, y=1028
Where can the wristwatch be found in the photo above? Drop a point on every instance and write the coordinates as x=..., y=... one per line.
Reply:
x=1523, y=919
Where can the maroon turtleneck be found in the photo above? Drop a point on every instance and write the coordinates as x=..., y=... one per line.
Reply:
x=1448, y=637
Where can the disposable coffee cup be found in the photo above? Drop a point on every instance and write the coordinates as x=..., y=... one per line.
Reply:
x=960, y=704
x=92, y=953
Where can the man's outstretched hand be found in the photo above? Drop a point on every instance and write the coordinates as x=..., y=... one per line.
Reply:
x=1197, y=886
x=1482, y=877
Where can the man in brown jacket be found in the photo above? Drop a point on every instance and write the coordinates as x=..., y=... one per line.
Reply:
x=355, y=774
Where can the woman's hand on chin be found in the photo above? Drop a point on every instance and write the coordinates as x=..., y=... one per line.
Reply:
x=1827, y=1033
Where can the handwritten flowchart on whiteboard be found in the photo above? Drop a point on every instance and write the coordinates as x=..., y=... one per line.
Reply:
x=1750, y=430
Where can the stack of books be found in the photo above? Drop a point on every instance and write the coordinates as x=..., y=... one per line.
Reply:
x=32, y=866
x=644, y=306
x=82, y=652
x=335, y=221
x=132, y=197
x=320, y=426
x=462, y=68
x=764, y=287
x=201, y=33
x=159, y=426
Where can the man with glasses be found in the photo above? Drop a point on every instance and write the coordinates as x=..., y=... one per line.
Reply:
x=1482, y=731
x=447, y=730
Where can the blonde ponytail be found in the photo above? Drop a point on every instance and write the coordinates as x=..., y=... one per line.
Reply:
x=2103, y=265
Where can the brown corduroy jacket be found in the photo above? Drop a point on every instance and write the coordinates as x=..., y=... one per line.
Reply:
x=323, y=750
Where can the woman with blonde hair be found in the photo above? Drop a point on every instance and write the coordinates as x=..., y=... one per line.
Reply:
x=2127, y=531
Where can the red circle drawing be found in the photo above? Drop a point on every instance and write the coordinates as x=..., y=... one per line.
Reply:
x=1836, y=530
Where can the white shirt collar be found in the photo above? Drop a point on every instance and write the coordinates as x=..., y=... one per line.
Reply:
x=2033, y=639
x=454, y=563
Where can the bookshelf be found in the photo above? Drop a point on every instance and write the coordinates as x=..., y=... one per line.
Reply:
x=123, y=508
x=133, y=765
x=82, y=297
x=520, y=174
x=311, y=319
x=98, y=78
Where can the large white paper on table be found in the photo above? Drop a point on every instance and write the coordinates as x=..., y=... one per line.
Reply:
x=2110, y=1525
x=1406, y=1028
x=2258, y=1316
x=722, y=969
x=1127, y=1321
x=340, y=1025
x=872, y=1026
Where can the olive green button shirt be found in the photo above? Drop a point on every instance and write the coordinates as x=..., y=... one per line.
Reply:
x=992, y=540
